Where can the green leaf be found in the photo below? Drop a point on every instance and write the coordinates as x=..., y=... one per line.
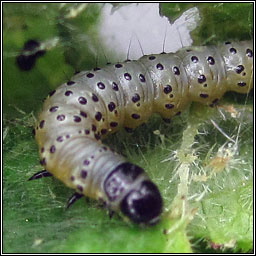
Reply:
x=205, y=178
x=233, y=17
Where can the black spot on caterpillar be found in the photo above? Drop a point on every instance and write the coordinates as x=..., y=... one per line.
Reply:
x=96, y=103
x=30, y=53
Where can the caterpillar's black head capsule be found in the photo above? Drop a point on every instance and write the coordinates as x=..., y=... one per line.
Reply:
x=143, y=204
x=142, y=201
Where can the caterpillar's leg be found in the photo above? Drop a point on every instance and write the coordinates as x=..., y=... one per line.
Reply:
x=73, y=199
x=167, y=120
x=41, y=174
x=129, y=130
x=111, y=213
x=104, y=205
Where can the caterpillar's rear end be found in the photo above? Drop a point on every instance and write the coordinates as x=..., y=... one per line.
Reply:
x=81, y=112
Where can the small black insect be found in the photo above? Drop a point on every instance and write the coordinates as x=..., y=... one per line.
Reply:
x=30, y=53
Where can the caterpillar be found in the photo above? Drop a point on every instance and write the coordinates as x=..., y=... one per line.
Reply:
x=96, y=103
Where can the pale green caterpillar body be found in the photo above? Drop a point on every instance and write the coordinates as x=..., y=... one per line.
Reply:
x=93, y=104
